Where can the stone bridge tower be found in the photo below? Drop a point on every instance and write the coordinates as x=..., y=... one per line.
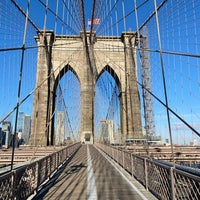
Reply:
x=87, y=57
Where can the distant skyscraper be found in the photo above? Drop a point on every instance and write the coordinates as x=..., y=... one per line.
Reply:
x=20, y=122
x=107, y=131
x=60, y=128
x=6, y=129
x=26, y=129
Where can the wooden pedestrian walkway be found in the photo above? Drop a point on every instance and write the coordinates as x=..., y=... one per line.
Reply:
x=90, y=175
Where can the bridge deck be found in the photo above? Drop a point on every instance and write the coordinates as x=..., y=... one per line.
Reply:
x=89, y=175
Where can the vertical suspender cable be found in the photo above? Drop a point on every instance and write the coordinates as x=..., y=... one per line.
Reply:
x=70, y=19
x=45, y=16
x=124, y=19
x=63, y=18
x=104, y=15
x=136, y=18
x=107, y=21
x=92, y=20
x=137, y=26
x=116, y=17
x=111, y=21
x=164, y=82
x=143, y=95
x=67, y=16
x=19, y=86
x=56, y=22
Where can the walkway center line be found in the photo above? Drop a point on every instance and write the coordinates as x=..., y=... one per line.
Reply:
x=91, y=187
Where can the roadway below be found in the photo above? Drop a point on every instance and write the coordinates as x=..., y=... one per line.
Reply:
x=90, y=175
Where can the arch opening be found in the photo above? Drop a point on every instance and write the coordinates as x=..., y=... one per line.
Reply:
x=107, y=120
x=67, y=107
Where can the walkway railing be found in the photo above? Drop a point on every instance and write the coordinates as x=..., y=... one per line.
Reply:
x=163, y=181
x=22, y=182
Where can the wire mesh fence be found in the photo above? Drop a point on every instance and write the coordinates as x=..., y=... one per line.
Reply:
x=21, y=182
x=165, y=182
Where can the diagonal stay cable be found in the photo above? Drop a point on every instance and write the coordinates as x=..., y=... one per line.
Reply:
x=159, y=100
x=23, y=13
x=35, y=89
x=128, y=14
x=73, y=31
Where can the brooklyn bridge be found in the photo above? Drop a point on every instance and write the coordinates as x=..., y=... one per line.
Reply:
x=100, y=99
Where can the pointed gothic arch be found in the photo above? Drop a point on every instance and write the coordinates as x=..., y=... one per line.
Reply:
x=111, y=71
x=58, y=77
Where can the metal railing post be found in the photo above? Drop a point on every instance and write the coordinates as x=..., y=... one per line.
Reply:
x=118, y=155
x=57, y=160
x=131, y=165
x=146, y=173
x=13, y=185
x=123, y=159
x=112, y=153
x=37, y=174
x=172, y=183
